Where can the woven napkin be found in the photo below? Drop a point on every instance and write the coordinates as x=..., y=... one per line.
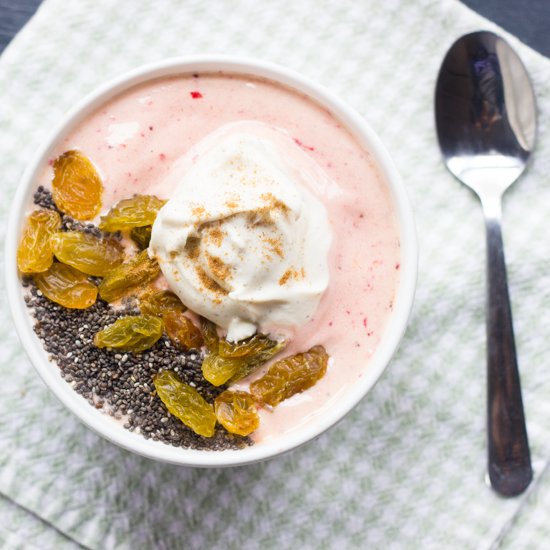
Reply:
x=406, y=468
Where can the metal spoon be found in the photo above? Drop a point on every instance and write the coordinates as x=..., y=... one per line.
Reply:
x=486, y=123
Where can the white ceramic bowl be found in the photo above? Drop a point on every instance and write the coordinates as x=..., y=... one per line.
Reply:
x=104, y=425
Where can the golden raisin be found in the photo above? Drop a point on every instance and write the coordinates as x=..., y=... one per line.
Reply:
x=218, y=370
x=132, y=333
x=233, y=361
x=76, y=186
x=141, y=236
x=124, y=279
x=66, y=286
x=259, y=349
x=181, y=330
x=34, y=254
x=210, y=335
x=245, y=348
x=159, y=302
x=138, y=211
x=185, y=403
x=86, y=252
x=290, y=376
x=236, y=411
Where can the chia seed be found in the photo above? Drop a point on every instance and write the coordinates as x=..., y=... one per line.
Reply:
x=43, y=198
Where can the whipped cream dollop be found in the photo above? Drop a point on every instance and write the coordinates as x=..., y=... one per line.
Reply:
x=244, y=238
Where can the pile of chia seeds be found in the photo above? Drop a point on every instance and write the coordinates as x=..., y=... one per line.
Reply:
x=120, y=384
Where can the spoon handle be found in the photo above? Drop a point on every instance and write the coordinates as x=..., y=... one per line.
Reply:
x=508, y=448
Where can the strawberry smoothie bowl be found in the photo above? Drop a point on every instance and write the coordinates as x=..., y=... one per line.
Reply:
x=211, y=260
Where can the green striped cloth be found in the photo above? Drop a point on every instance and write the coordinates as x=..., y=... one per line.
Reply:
x=406, y=468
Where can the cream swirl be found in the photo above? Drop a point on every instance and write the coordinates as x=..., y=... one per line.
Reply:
x=244, y=240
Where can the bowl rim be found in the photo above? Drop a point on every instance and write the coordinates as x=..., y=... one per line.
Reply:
x=393, y=332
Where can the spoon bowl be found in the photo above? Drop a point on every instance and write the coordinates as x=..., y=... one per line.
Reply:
x=486, y=125
x=485, y=113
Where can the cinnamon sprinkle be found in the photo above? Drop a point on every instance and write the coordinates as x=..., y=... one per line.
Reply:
x=208, y=283
x=275, y=245
x=214, y=234
x=260, y=217
x=192, y=247
x=220, y=270
x=274, y=203
x=198, y=211
x=291, y=273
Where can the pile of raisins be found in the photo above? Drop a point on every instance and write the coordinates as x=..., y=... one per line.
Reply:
x=74, y=268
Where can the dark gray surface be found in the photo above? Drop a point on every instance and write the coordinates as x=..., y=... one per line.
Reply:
x=529, y=20
x=13, y=15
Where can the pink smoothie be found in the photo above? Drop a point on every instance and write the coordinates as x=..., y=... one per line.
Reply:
x=134, y=139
